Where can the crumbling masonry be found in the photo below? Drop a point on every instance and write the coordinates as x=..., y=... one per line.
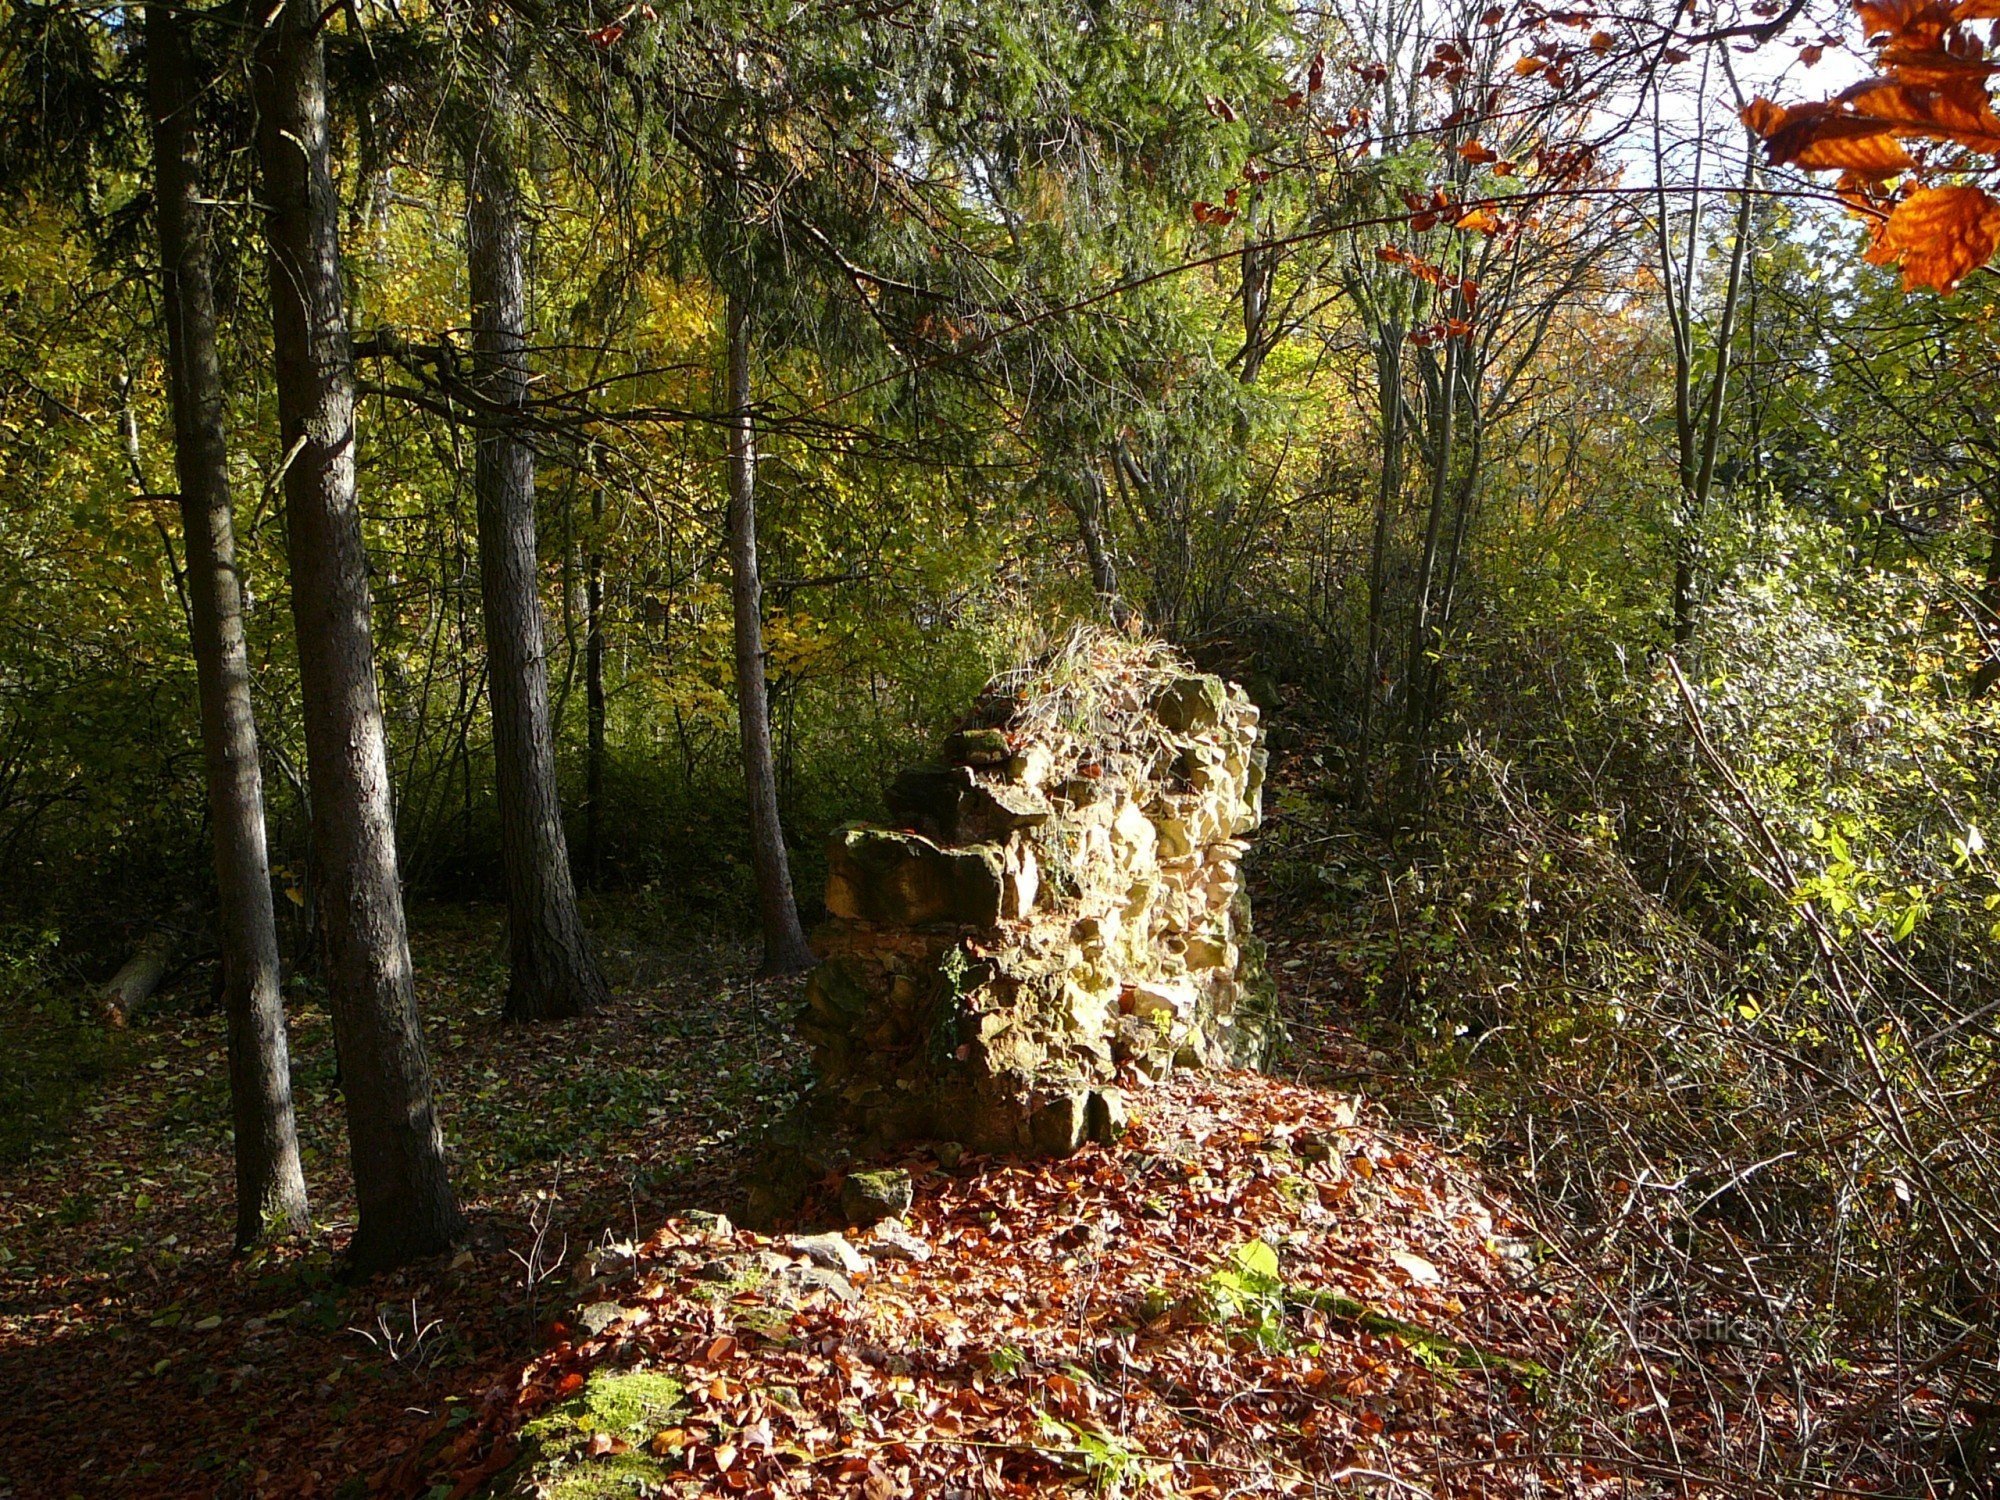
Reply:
x=1058, y=911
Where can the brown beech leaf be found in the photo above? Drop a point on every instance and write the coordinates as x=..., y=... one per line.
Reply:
x=1478, y=154
x=1939, y=235
x=1484, y=220
x=1953, y=109
x=1601, y=42
x=1819, y=136
x=1917, y=24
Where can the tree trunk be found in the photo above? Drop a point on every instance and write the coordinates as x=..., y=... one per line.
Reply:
x=1389, y=386
x=1444, y=439
x=402, y=1192
x=551, y=972
x=270, y=1184
x=119, y=1002
x=785, y=947
x=1089, y=506
x=593, y=693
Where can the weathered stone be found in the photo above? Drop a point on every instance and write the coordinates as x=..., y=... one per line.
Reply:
x=830, y=1250
x=1021, y=883
x=979, y=747
x=821, y=1279
x=1108, y=1117
x=1056, y=1128
x=1133, y=837
x=926, y=799
x=1161, y=1001
x=1209, y=951
x=894, y=1241
x=707, y=1226
x=884, y=875
x=1171, y=837
x=1190, y=704
x=598, y=1316
x=1031, y=767
x=989, y=812
x=866, y=1197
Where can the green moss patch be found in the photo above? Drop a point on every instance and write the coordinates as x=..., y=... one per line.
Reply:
x=629, y=1407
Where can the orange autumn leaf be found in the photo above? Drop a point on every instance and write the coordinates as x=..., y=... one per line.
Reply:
x=1484, y=220
x=1929, y=102
x=1938, y=235
x=1818, y=137
x=1478, y=154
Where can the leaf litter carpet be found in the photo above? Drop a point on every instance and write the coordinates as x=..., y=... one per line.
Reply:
x=1256, y=1291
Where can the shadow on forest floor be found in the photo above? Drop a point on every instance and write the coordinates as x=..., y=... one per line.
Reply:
x=140, y=1357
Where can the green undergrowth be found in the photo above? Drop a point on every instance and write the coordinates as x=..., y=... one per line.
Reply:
x=1246, y=1293
x=47, y=1056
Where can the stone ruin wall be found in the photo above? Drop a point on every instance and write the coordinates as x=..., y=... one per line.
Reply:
x=1059, y=911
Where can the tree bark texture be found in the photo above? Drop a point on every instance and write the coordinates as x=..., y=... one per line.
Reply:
x=785, y=947
x=551, y=971
x=270, y=1184
x=403, y=1194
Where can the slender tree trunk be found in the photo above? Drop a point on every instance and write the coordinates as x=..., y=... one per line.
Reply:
x=1987, y=607
x=1093, y=513
x=785, y=947
x=551, y=972
x=593, y=693
x=1259, y=270
x=1389, y=383
x=1698, y=432
x=270, y=1184
x=403, y=1194
x=1444, y=439
x=1467, y=501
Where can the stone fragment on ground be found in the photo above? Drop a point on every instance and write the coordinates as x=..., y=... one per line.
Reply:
x=709, y=1226
x=833, y=1251
x=893, y=1240
x=820, y=1279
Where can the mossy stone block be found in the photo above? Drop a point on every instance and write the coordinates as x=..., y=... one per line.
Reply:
x=870, y=1197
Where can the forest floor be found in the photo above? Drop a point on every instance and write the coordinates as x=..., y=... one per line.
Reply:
x=1265, y=1287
